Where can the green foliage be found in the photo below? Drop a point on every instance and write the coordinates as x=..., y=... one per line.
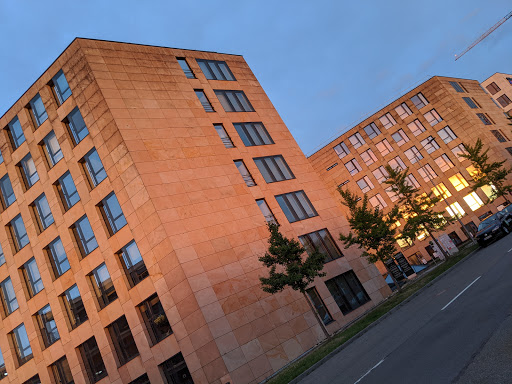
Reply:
x=288, y=267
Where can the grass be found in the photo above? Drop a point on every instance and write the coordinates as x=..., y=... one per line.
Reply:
x=295, y=369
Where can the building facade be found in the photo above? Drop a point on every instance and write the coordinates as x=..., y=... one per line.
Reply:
x=135, y=185
x=499, y=87
x=424, y=130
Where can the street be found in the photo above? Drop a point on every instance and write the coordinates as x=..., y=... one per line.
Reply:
x=459, y=330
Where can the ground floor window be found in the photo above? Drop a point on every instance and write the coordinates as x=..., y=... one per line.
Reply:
x=347, y=291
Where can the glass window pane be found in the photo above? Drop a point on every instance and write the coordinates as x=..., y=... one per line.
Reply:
x=114, y=213
x=86, y=235
x=44, y=212
x=95, y=167
x=38, y=110
x=77, y=126
x=16, y=133
x=59, y=257
x=61, y=87
x=68, y=190
x=53, y=148
x=20, y=233
x=8, y=196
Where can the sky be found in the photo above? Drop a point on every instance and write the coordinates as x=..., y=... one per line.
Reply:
x=325, y=65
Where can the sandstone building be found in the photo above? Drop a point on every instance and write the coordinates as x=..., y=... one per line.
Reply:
x=499, y=87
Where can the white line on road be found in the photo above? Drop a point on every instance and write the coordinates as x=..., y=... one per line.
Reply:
x=509, y=250
x=371, y=369
x=464, y=290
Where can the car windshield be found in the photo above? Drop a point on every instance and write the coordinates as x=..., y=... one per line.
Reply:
x=507, y=209
x=487, y=222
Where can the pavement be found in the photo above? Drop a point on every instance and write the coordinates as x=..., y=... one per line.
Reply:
x=458, y=330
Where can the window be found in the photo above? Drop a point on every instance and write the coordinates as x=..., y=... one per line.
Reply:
x=265, y=210
x=411, y=181
x=234, y=101
x=341, y=150
x=489, y=191
x=499, y=135
x=246, y=175
x=21, y=344
x=432, y=117
x=377, y=201
x=51, y=149
x=444, y=162
x=2, y=256
x=356, y=140
x=509, y=79
x=67, y=191
x=331, y=167
x=368, y=157
x=92, y=360
x=76, y=126
x=427, y=173
x=122, y=338
x=416, y=127
x=47, y=326
x=455, y=210
x=493, y=88
x=457, y=86
x=403, y=111
x=224, y=137
x=186, y=69
x=473, y=201
x=353, y=167
x=57, y=256
x=3, y=371
x=94, y=168
x=112, y=213
x=397, y=164
x=393, y=196
x=296, y=206
x=253, y=134
x=458, y=181
x=387, y=120
x=61, y=372
x=380, y=174
x=42, y=213
x=319, y=305
x=7, y=192
x=342, y=184
x=509, y=150
x=32, y=277
x=84, y=236
x=33, y=380
x=175, y=370
x=74, y=307
x=37, y=110
x=204, y=100
x=365, y=184
x=133, y=264
x=215, y=70
x=274, y=168
x=484, y=118
x=144, y=379
x=371, y=130
x=103, y=286
x=446, y=134
x=347, y=291
x=322, y=242
x=470, y=102
x=28, y=171
x=15, y=133
x=419, y=100
x=18, y=233
x=430, y=144
x=400, y=137
x=459, y=150
x=413, y=154
x=60, y=87
x=9, y=301
x=155, y=319
x=384, y=147
x=441, y=191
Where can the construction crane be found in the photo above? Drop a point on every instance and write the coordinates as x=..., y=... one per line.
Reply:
x=493, y=28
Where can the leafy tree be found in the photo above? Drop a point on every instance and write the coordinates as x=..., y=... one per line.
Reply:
x=487, y=172
x=289, y=268
x=372, y=231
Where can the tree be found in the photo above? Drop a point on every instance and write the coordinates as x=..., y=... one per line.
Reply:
x=417, y=208
x=372, y=231
x=486, y=172
x=289, y=268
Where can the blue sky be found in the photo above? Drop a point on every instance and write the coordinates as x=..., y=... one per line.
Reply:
x=324, y=64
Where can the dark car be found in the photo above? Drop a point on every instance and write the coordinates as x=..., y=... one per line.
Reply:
x=493, y=228
x=507, y=214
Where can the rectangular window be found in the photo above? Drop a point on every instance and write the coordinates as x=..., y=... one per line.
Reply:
x=103, y=286
x=347, y=291
x=413, y=154
x=457, y=86
x=446, y=134
x=470, y=102
x=94, y=168
x=112, y=213
x=224, y=137
x=377, y=201
x=341, y=150
x=18, y=233
x=61, y=372
x=32, y=277
x=15, y=133
x=244, y=172
x=265, y=210
x=84, y=236
x=28, y=171
x=9, y=301
x=2, y=256
x=368, y=157
x=400, y=137
x=74, y=307
x=380, y=174
x=320, y=307
x=175, y=370
x=419, y=100
x=387, y=120
x=365, y=184
x=459, y=150
x=430, y=144
x=3, y=370
x=397, y=164
x=91, y=357
x=441, y=191
x=459, y=182
x=372, y=130
x=234, y=101
x=296, y=206
x=509, y=150
x=133, y=264
x=123, y=341
x=509, y=79
x=186, y=69
x=427, y=173
x=47, y=326
x=403, y=111
x=144, y=379
x=484, y=118
x=393, y=196
x=473, y=201
x=42, y=213
x=353, y=167
x=7, y=192
x=411, y=181
x=76, y=126
x=384, y=147
x=37, y=110
x=274, y=168
x=51, y=149
x=21, y=344
x=493, y=88
x=204, y=100
x=155, y=319
x=444, y=162
x=67, y=191
x=215, y=70
x=356, y=140
x=433, y=117
x=253, y=134
x=501, y=138
x=60, y=87
x=416, y=127
x=455, y=210
x=58, y=258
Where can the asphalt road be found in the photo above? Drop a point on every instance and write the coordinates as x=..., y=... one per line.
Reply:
x=459, y=330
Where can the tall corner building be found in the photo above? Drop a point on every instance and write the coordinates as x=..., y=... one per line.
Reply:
x=499, y=87
x=135, y=184
x=425, y=131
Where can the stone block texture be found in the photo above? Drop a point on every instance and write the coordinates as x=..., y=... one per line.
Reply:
x=499, y=87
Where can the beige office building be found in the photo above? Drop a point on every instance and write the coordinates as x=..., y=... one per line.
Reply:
x=499, y=87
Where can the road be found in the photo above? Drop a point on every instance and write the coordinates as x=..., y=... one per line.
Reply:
x=459, y=330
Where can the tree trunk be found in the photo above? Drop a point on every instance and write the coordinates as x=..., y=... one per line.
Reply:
x=439, y=246
x=317, y=316
x=393, y=278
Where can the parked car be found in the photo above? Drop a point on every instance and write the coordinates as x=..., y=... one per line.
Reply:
x=493, y=228
x=507, y=213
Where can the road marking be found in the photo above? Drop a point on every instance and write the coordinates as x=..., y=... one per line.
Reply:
x=509, y=250
x=371, y=369
x=464, y=290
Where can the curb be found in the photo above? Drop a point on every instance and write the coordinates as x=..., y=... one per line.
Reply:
x=318, y=364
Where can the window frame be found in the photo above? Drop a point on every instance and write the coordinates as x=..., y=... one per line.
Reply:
x=24, y=168
x=74, y=309
x=335, y=282
x=15, y=140
x=450, y=135
x=93, y=175
x=73, y=131
x=3, y=192
x=371, y=130
x=236, y=95
x=8, y=303
x=416, y=154
x=436, y=117
x=61, y=371
x=269, y=218
x=137, y=272
x=37, y=118
x=293, y=216
x=80, y=237
x=65, y=196
x=89, y=353
x=223, y=135
x=420, y=97
x=43, y=222
x=319, y=305
x=16, y=236
x=208, y=65
x=149, y=315
x=51, y=158
x=31, y=282
x=56, y=263
x=108, y=216
x=330, y=251
x=48, y=337
x=245, y=173
x=405, y=110
x=22, y=358
x=185, y=68
x=356, y=167
x=119, y=331
x=284, y=172
x=204, y=100
x=390, y=120
x=58, y=93
x=103, y=295
x=252, y=136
